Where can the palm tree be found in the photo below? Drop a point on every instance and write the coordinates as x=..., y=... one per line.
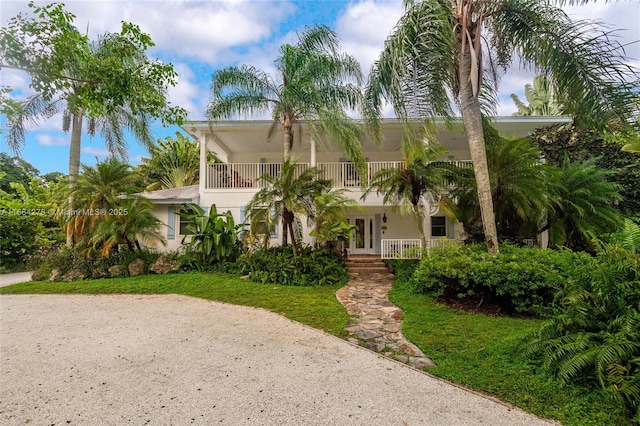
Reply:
x=407, y=186
x=130, y=222
x=523, y=190
x=439, y=51
x=541, y=97
x=327, y=217
x=173, y=163
x=98, y=191
x=290, y=193
x=106, y=87
x=313, y=85
x=585, y=206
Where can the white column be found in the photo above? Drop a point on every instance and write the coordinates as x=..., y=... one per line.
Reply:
x=313, y=152
x=202, y=139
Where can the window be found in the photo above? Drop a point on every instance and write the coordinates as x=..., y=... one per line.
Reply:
x=184, y=222
x=262, y=222
x=438, y=226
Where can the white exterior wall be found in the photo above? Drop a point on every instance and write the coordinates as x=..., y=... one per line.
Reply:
x=162, y=213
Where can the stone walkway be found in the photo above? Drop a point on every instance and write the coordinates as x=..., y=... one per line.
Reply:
x=376, y=323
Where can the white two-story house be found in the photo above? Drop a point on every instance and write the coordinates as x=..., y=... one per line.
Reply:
x=246, y=152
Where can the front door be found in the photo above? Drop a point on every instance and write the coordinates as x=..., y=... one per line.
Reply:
x=361, y=241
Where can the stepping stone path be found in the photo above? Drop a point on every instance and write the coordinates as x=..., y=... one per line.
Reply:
x=376, y=323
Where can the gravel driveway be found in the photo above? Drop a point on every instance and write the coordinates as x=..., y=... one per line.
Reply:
x=175, y=360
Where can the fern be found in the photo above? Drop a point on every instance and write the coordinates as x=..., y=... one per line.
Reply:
x=628, y=238
x=597, y=334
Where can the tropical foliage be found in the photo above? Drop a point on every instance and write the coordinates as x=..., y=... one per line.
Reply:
x=279, y=265
x=328, y=218
x=584, y=207
x=518, y=280
x=109, y=83
x=560, y=143
x=597, y=333
x=102, y=219
x=523, y=190
x=541, y=98
x=29, y=225
x=289, y=194
x=212, y=236
x=15, y=170
x=315, y=83
x=173, y=163
x=439, y=51
x=408, y=185
x=131, y=222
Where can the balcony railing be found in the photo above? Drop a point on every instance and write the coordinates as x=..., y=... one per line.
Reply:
x=243, y=175
x=343, y=175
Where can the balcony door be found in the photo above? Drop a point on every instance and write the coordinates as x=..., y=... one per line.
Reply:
x=361, y=241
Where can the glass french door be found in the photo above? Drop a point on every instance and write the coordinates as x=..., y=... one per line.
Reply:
x=361, y=241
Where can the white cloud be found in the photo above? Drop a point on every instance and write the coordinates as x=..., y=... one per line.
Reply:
x=201, y=30
x=188, y=93
x=96, y=152
x=50, y=139
x=364, y=26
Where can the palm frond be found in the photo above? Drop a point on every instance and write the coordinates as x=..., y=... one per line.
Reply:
x=31, y=112
x=416, y=70
x=592, y=70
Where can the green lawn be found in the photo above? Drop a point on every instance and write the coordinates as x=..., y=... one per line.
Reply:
x=481, y=353
x=473, y=350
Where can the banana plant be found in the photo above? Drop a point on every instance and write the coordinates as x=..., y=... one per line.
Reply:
x=212, y=235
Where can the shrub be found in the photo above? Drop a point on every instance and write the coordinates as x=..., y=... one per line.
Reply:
x=65, y=260
x=597, y=333
x=522, y=280
x=404, y=270
x=20, y=236
x=278, y=265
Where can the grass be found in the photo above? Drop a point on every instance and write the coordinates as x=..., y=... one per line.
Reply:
x=313, y=306
x=476, y=351
x=481, y=353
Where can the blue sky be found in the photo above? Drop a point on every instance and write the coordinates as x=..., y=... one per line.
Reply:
x=198, y=37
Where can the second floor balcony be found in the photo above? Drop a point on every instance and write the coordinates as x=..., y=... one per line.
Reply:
x=247, y=176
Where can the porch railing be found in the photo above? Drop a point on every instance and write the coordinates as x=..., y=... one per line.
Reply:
x=411, y=248
x=401, y=249
x=343, y=174
x=243, y=175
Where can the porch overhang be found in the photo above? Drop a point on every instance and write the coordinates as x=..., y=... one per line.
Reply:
x=225, y=138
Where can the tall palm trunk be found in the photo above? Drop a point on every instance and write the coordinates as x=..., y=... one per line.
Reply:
x=74, y=169
x=471, y=115
x=418, y=215
x=294, y=243
x=287, y=218
x=287, y=125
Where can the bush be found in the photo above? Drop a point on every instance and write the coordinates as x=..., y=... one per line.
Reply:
x=65, y=260
x=278, y=265
x=597, y=334
x=20, y=237
x=404, y=270
x=522, y=280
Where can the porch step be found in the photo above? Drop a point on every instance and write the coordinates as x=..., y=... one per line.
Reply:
x=366, y=265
